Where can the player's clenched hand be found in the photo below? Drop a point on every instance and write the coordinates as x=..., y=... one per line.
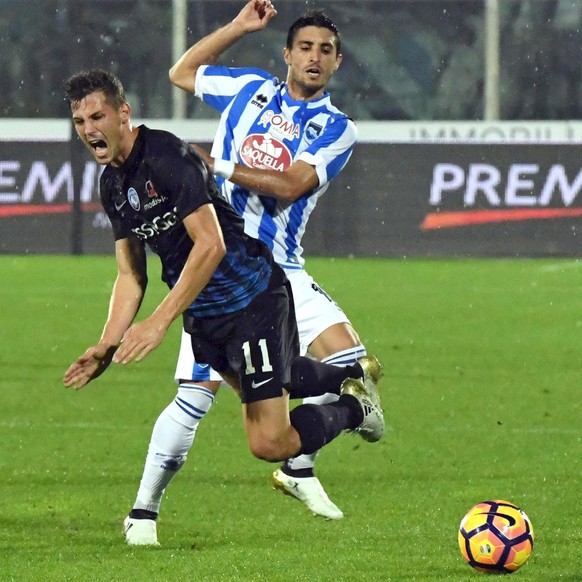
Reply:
x=88, y=366
x=255, y=15
x=138, y=341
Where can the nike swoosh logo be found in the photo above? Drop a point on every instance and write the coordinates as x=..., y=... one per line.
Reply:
x=257, y=384
x=120, y=206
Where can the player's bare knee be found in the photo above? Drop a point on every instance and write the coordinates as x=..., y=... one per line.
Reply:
x=267, y=449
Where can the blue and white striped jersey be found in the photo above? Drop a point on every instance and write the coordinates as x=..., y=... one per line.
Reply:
x=262, y=127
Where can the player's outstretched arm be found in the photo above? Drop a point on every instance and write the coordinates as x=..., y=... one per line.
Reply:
x=126, y=297
x=88, y=366
x=254, y=16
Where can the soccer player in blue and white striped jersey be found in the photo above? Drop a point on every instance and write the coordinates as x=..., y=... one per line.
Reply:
x=277, y=148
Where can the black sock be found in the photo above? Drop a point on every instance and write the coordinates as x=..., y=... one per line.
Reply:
x=312, y=378
x=319, y=424
x=143, y=514
x=300, y=473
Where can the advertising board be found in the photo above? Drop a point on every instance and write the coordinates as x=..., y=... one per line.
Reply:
x=438, y=196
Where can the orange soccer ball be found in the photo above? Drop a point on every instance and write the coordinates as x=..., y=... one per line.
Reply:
x=496, y=537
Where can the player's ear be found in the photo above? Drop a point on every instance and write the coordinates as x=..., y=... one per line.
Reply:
x=338, y=61
x=286, y=56
x=125, y=112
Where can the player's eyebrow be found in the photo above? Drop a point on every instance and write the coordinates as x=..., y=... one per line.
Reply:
x=311, y=43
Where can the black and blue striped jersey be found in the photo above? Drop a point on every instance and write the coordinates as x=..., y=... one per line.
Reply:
x=163, y=181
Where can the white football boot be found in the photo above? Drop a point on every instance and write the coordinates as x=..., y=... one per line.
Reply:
x=140, y=532
x=309, y=491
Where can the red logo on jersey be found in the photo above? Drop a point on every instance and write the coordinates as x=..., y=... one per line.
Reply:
x=264, y=152
x=151, y=190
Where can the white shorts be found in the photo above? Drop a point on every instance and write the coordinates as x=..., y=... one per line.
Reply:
x=315, y=311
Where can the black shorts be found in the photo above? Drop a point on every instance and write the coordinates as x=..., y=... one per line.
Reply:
x=258, y=343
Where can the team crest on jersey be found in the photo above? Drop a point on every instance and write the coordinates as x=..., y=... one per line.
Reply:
x=264, y=152
x=276, y=123
x=313, y=131
x=133, y=198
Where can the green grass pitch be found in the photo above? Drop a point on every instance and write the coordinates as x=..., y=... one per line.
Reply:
x=482, y=400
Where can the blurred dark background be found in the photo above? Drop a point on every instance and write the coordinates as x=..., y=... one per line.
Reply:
x=403, y=59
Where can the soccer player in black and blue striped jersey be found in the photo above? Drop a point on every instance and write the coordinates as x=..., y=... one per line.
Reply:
x=236, y=302
x=278, y=146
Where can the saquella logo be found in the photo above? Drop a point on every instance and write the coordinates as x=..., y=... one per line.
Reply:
x=484, y=193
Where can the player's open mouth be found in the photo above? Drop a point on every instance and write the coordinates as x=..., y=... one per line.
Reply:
x=99, y=146
x=313, y=72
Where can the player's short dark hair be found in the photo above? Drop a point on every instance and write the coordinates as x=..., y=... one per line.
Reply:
x=313, y=18
x=84, y=83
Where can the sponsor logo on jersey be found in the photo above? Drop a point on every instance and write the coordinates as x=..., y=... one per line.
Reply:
x=276, y=123
x=153, y=195
x=133, y=198
x=151, y=190
x=153, y=202
x=156, y=226
x=262, y=151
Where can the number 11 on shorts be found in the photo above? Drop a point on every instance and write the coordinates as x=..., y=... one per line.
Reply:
x=266, y=367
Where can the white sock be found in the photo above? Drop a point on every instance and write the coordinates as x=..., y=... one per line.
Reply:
x=172, y=438
x=343, y=358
